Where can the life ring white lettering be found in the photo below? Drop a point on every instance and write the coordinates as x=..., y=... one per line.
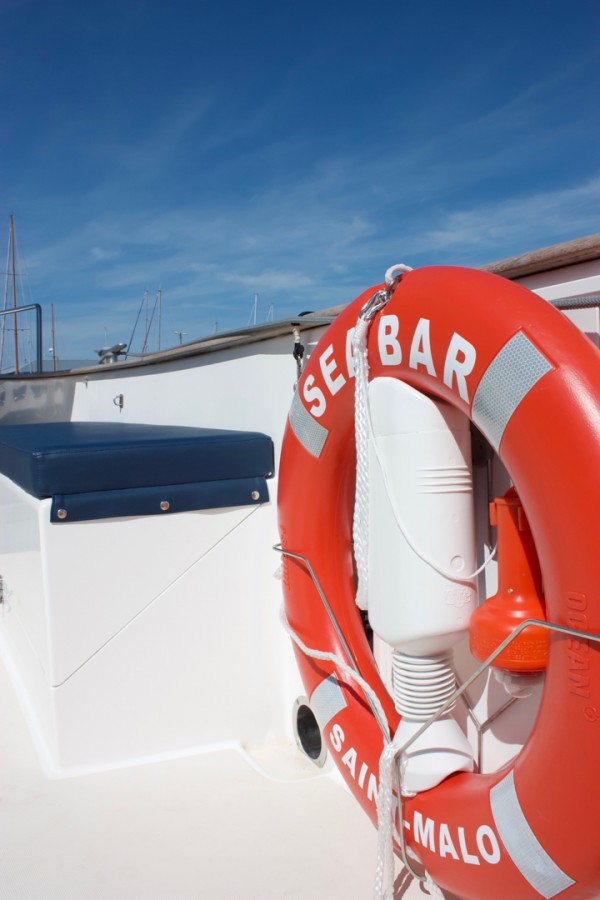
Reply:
x=440, y=839
x=359, y=770
x=459, y=361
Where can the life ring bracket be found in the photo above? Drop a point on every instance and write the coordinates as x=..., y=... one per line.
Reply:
x=382, y=723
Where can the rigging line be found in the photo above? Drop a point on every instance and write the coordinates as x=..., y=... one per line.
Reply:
x=5, y=305
x=14, y=284
x=130, y=345
x=149, y=325
x=26, y=300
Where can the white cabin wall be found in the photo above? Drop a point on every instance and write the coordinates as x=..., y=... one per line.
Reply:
x=568, y=281
x=571, y=281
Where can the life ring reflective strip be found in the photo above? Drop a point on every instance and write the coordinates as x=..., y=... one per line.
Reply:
x=531, y=382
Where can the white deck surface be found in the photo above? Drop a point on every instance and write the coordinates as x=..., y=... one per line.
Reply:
x=208, y=826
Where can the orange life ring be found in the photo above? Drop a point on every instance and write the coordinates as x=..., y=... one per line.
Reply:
x=530, y=381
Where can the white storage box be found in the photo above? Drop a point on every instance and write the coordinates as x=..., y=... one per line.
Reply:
x=116, y=626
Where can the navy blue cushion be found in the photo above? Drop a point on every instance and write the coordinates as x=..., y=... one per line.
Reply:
x=65, y=458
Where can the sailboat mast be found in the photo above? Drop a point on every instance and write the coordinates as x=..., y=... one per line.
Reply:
x=159, y=315
x=14, y=284
x=6, y=284
x=53, y=341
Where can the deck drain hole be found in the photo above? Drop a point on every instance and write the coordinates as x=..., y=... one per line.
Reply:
x=307, y=732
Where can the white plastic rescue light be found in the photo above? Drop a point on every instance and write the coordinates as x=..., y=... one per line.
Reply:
x=421, y=557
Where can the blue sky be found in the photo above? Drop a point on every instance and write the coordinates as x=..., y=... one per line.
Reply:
x=290, y=150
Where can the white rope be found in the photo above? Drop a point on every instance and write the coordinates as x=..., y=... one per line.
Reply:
x=432, y=887
x=360, y=525
x=387, y=833
x=394, y=273
x=339, y=663
x=385, y=866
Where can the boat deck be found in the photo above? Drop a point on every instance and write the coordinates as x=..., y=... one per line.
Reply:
x=223, y=824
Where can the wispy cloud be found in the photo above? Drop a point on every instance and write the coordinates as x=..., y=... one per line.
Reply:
x=558, y=214
x=270, y=280
x=143, y=155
